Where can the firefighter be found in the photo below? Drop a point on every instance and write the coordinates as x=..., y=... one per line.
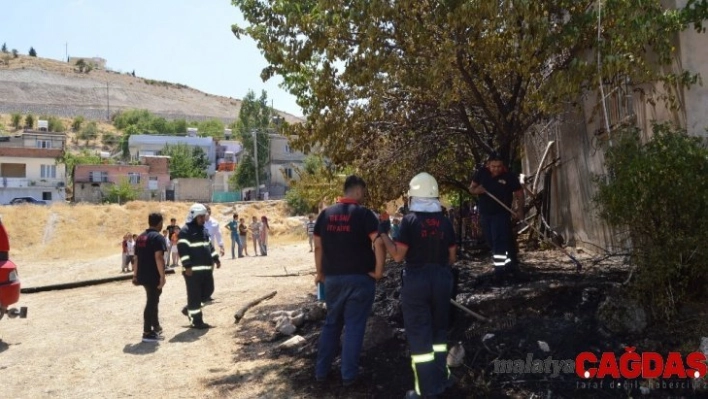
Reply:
x=427, y=243
x=198, y=258
x=496, y=221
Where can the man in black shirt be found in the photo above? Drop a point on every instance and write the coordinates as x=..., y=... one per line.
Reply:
x=495, y=219
x=427, y=243
x=349, y=268
x=149, y=271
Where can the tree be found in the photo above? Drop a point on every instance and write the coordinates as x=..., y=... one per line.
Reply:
x=29, y=121
x=54, y=124
x=81, y=64
x=4, y=48
x=16, y=120
x=212, y=127
x=110, y=139
x=186, y=162
x=71, y=159
x=254, y=119
x=316, y=182
x=89, y=132
x=32, y=52
x=398, y=87
x=77, y=122
x=15, y=53
x=122, y=192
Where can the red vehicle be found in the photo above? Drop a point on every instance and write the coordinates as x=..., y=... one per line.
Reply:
x=9, y=280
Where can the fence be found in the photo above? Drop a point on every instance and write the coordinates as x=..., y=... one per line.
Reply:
x=226, y=197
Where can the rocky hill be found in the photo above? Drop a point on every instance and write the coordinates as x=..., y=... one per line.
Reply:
x=51, y=87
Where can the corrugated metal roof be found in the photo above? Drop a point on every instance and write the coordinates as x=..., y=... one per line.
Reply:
x=155, y=139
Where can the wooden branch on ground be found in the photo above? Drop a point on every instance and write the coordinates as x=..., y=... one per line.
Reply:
x=241, y=312
x=287, y=275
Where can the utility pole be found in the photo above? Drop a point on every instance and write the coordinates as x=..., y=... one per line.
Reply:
x=255, y=160
x=66, y=51
x=108, y=104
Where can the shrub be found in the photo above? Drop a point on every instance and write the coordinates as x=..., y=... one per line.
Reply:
x=29, y=121
x=55, y=124
x=16, y=120
x=298, y=205
x=15, y=53
x=122, y=192
x=32, y=52
x=76, y=124
x=658, y=192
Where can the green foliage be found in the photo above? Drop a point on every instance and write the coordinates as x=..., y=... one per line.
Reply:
x=122, y=192
x=658, y=191
x=141, y=121
x=186, y=161
x=54, y=124
x=4, y=48
x=15, y=53
x=29, y=121
x=76, y=123
x=89, y=132
x=315, y=183
x=16, y=120
x=212, y=127
x=70, y=160
x=394, y=88
x=164, y=84
x=110, y=139
x=32, y=52
x=253, y=118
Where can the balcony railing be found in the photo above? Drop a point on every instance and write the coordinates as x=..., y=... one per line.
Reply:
x=22, y=182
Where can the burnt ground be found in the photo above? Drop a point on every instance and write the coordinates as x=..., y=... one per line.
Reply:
x=548, y=302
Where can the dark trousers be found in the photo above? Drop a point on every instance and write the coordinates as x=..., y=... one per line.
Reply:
x=196, y=287
x=349, y=299
x=150, y=317
x=497, y=232
x=208, y=285
x=425, y=298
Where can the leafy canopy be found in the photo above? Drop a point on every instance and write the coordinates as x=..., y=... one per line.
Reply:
x=394, y=88
x=254, y=117
x=186, y=161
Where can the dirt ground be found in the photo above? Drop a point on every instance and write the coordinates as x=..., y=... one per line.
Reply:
x=85, y=342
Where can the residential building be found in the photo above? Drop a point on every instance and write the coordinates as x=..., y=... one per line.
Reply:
x=29, y=168
x=282, y=165
x=149, y=145
x=151, y=178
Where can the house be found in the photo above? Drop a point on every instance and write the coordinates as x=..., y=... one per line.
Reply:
x=151, y=178
x=579, y=136
x=140, y=145
x=29, y=168
x=282, y=163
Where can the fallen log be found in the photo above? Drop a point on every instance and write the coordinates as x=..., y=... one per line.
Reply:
x=241, y=312
x=80, y=284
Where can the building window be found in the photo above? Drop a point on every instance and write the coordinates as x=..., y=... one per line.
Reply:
x=47, y=196
x=152, y=183
x=288, y=150
x=44, y=144
x=289, y=173
x=134, y=178
x=98, y=177
x=48, y=172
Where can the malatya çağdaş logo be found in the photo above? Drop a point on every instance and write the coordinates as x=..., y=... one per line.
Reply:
x=632, y=364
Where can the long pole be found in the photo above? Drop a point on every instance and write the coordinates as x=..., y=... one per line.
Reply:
x=255, y=160
x=566, y=253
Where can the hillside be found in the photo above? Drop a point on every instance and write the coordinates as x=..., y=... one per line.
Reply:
x=51, y=87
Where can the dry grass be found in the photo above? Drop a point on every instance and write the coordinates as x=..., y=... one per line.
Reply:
x=85, y=231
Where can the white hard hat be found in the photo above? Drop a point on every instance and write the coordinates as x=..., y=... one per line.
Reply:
x=423, y=185
x=196, y=210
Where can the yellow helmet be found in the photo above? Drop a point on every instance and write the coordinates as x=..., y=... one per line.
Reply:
x=423, y=185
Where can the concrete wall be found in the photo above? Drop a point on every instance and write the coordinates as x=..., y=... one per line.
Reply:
x=197, y=190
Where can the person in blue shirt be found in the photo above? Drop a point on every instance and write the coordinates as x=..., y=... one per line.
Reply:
x=232, y=226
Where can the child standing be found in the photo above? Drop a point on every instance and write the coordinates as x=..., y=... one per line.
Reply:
x=243, y=234
x=310, y=228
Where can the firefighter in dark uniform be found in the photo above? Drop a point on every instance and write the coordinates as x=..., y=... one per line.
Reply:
x=198, y=258
x=427, y=243
x=496, y=221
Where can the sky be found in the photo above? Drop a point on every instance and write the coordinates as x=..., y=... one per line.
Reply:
x=179, y=41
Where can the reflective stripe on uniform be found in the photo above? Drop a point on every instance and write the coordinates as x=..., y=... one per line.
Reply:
x=499, y=260
x=193, y=312
x=214, y=253
x=440, y=348
x=194, y=244
x=185, y=257
x=417, y=359
x=195, y=268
